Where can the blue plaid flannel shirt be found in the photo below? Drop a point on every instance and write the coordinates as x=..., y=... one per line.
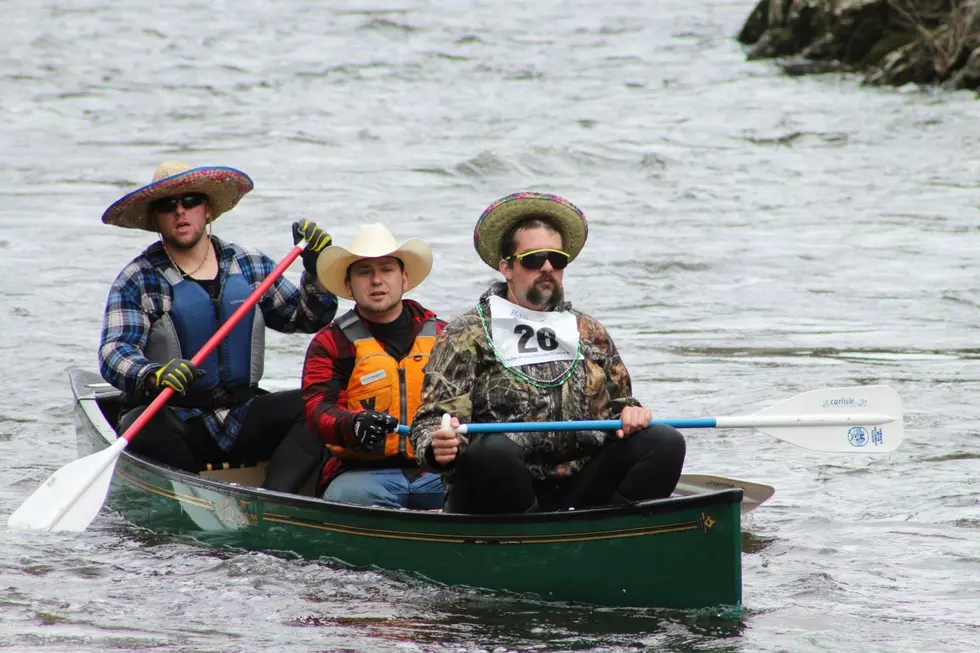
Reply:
x=140, y=296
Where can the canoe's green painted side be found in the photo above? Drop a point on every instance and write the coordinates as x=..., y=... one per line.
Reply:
x=677, y=553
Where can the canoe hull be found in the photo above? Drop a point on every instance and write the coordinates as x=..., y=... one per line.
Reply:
x=673, y=553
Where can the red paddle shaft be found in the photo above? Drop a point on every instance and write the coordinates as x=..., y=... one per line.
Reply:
x=218, y=336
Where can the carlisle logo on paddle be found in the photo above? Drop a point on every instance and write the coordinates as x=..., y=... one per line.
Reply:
x=857, y=436
x=844, y=401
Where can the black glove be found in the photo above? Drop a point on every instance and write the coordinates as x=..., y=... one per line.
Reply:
x=317, y=238
x=371, y=428
x=177, y=375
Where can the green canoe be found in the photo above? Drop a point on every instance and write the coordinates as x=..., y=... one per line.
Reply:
x=682, y=552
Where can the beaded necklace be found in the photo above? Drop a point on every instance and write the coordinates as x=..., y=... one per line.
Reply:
x=537, y=383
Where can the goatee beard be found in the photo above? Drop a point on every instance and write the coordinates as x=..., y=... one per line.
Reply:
x=535, y=296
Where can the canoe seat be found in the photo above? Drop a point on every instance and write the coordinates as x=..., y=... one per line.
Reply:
x=253, y=475
x=243, y=474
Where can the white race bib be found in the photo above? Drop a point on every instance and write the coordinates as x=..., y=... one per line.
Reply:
x=524, y=337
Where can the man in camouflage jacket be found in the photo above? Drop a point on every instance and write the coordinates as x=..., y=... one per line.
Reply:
x=474, y=376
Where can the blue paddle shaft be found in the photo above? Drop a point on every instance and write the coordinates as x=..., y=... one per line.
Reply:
x=858, y=419
x=584, y=425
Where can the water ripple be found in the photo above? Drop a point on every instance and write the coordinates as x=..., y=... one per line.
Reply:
x=752, y=236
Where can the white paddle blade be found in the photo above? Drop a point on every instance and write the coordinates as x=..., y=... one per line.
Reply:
x=753, y=494
x=71, y=497
x=858, y=419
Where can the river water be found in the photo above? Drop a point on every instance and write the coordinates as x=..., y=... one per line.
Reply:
x=753, y=236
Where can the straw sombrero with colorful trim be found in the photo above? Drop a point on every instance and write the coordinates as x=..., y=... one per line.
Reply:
x=372, y=241
x=223, y=186
x=499, y=217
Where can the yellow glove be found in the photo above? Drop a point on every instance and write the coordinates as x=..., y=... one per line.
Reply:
x=177, y=375
x=317, y=238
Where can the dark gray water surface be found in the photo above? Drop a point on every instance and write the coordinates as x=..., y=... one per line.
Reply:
x=753, y=236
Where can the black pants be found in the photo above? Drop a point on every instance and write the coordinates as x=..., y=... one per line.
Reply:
x=491, y=476
x=274, y=429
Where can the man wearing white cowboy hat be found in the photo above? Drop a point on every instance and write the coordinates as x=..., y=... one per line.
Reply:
x=363, y=373
x=523, y=354
x=168, y=301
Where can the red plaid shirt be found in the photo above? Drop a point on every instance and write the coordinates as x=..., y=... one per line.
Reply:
x=326, y=373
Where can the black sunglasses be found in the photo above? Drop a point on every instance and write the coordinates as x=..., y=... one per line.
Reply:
x=534, y=260
x=169, y=204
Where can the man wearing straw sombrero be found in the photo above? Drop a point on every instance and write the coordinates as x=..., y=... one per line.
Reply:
x=168, y=301
x=363, y=373
x=523, y=354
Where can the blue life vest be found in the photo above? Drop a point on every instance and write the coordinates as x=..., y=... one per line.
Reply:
x=236, y=364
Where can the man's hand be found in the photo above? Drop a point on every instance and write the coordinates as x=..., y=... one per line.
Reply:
x=371, y=428
x=635, y=418
x=177, y=375
x=445, y=442
x=317, y=238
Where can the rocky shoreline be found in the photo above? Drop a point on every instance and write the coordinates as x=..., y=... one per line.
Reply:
x=892, y=42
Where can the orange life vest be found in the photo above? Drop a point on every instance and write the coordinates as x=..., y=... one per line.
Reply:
x=382, y=383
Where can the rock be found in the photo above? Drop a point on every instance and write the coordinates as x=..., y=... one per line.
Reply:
x=756, y=24
x=967, y=77
x=776, y=42
x=798, y=66
x=892, y=41
x=910, y=63
x=823, y=48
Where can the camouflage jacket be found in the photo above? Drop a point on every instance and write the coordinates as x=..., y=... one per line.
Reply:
x=463, y=378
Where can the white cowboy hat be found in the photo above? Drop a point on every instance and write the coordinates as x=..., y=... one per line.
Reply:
x=498, y=218
x=223, y=186
x=372, y=241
